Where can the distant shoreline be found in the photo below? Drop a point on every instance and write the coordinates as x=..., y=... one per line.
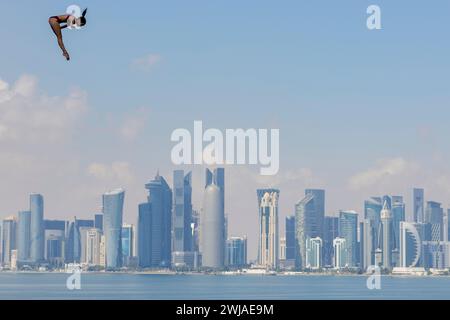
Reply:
x=171, y=273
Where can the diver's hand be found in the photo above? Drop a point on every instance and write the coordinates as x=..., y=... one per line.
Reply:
x=66, y=55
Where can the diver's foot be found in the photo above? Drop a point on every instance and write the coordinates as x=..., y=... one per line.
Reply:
x=66, y=55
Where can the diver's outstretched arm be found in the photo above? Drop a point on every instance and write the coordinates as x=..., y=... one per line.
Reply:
x=54, y=23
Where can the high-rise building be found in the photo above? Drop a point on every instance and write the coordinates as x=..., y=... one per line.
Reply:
x=372, y=212
x=236, y=252
x=8, y=239
x=340, y=253
x=282, y=252
x=217, y=177
x=98, y=221
x=314, y=253
x=55, y=238
x=127, y=243
x=290, y=238
x=418, y=205
x=23, y=236
x=213, y=222
x=331, y=232
x=309, y=220
x=410, y=245
x=386, y=221
x=348, y=230
x=73, y=239
x=37, y=233
x=369, y=244
x=182, y=233
x=268, y=229
x=398, y=215
x=91, y=252
x=145, y=235
x=103, y=251
x=160, y=200
x=112, y=227
x=435, y=216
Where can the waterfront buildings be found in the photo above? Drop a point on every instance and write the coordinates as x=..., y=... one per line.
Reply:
x=236, y=252
x=213, y=222
x=348, y=230
x=112, y=226
x=37, y=236
x=268, y=251
x=309, y=218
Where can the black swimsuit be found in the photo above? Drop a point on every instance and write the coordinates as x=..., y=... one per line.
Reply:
x=58, y=19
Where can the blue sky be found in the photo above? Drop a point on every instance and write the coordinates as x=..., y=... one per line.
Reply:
x=360, y=112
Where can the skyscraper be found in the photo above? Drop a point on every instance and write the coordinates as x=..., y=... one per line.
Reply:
x=8, y=239
x=435, y=217
x=236, y=252
x=340, y=253
x=369, y=244
x=290, y=238
x=348, y=230
x=23, y=236
x=314, y=253
x=268, y=229
x=309, y=219
x=98, y=221
x=72, y=251
x=127, y=243
x=92, y=249
x=37, y=236
x=182, y=214
x=410, y=245
x=145, y=235
x=398, y=215
x=331, y=232
x=213, y=221
x=419, y=205
x=372, y=212
x=386, y=220
x=112, y=227
x=157, y=217
x=55, y=237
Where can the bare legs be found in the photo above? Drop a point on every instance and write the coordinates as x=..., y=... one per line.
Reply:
x=54, y=23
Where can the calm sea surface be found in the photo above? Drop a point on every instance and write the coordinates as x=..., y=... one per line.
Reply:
x=192, y=287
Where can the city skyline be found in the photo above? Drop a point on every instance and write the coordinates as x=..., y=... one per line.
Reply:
x=434, y=213
x=352, y=119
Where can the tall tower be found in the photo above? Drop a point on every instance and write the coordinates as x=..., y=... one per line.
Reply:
x=213, y=224
x=23, y=236
x=8, y=239
x=181, y=215
x=348, y=229
x=386, y=221
x=309, y=221
x=113, y=216
x=419, y=205
x=268, y=252
x=160, y=206
x=37, y=240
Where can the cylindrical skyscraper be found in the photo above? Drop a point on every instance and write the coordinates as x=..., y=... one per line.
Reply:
x=37, y=239
x=212, y=228
x=112, y=227
x=386, y=220
x=23, y=236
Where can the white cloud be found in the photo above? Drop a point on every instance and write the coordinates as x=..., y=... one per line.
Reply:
x=146, y=63
x=27, y=115
x=118, y=172
x=383, y=172
x=133, y=124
